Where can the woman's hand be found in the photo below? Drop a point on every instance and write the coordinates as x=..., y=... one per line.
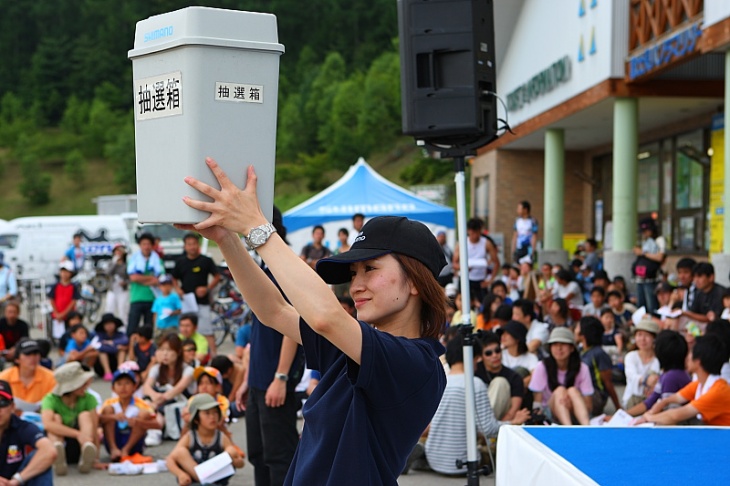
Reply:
x=232, y=208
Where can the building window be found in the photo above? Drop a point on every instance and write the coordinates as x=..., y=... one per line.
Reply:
x=691, y=169
x=648, y=196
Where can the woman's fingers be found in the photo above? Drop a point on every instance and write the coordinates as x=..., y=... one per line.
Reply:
x=219, y=174
x=201, y=205
x=202, y=187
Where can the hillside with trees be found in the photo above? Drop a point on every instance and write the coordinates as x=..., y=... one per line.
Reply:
x=66, y=104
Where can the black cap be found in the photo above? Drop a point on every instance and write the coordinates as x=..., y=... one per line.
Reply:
x=6, y=394
x=380, y=236
x=27, y=346
x=664, y=287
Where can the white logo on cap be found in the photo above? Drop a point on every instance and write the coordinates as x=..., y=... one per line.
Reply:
x=361, y=237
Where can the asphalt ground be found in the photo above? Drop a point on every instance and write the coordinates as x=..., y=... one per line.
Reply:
x=243, y=476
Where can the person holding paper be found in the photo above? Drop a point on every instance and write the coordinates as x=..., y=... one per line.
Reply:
x=197, y=274
x=202, y=446
x=382, y=379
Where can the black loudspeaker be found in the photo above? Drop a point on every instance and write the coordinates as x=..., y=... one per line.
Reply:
x=448, y=75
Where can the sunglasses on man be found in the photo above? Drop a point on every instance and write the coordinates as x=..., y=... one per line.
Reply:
x=489, y=352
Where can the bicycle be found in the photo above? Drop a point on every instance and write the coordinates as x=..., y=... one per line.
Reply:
x=231, y=313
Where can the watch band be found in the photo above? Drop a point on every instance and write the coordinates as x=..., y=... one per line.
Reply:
x=281, y=376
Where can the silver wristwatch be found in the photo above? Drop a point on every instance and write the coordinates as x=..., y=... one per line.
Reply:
x=260, y=235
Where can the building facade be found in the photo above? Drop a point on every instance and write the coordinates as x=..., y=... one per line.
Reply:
x=617, y=109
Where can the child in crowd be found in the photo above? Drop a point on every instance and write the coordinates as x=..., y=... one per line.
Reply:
x=232, y=373
x=613, y=339
x=126, y=419
x=561, y=383
x=63, y=297
x=597, y=302
x=203, y=442
x=142, y=349
x=189, y=330
x=485, y=320
x=133, y=367
x=458, y=315
x=590, y=331
x=167, y=307
x=72, y=319
x=113, y=344
x=671, y=351
x=79, y=347
x=621, y=310
x=210, y=381
x=70, y=420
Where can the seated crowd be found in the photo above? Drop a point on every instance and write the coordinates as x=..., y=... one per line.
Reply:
x=542, y=349
x=158, y=391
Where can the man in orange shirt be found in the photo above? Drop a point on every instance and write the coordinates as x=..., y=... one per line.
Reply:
x=29, y=380
x=708, y=398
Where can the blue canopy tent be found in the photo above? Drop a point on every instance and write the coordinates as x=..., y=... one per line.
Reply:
x=361, y=190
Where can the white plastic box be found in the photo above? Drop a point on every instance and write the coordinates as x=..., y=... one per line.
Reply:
x=205, y=84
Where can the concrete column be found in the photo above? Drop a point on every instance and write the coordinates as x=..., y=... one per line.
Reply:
x=721, y=261
x=553, y=251
x=618, y=260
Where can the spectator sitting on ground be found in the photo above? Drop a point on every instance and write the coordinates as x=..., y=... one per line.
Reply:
x=30, y=454
x=126, y=419
x=597, y=303
x=29, y=380
x=142, y=349
x=566, y=288
x=499, y=288
x=558, y=314
x=506, y=389
x=446, y=442
x=232, y=373
x=70, y=420
x=133, y=366
x=12, y=328
x=707, y=305
x=600, y=279
x=663, y=293
x=189, y=330
x=589, y=331
x=721, y=328
x=523, y=311
x=79, y=347
x=485, y=319
x=622, y=310
x=190, y=351
x=209, y=380
x=514, y=350
x=707, y=398
x=72, y=319
x=641, y=365
x=561, y=383
x=671, y=351
x=203, y=442
x=502, y=316
x=619, y=283
x=612, y=340
x=113, y=344
x=168, y=381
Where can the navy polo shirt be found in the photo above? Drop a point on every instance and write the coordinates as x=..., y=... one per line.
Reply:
x=362, y=421
x=18, y=441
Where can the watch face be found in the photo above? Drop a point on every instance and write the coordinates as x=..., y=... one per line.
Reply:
x=257, y=236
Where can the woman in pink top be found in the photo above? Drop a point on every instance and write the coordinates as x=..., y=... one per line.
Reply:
x=562, y=382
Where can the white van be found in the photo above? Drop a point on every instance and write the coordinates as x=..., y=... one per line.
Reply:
x=34, y=246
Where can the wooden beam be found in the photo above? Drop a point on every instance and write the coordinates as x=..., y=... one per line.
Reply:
x=716, y=36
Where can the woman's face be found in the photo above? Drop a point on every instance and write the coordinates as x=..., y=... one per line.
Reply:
x=380, y=289
x=644, y=340
x=342, y=236
x=608, y=321
x=508, y=340
x=495, y=305
x=561, y=351
x=500, y=291
x=168, y=356
x=554, y=309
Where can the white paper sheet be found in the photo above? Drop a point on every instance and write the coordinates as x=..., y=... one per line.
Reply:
x=215, y=469
x=189, y=304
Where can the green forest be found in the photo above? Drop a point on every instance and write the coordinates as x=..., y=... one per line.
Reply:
x=66, y=115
